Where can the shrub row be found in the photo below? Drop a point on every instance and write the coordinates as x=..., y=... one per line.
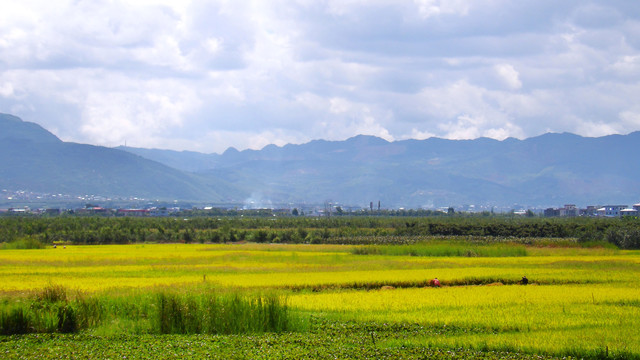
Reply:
x=30, y=232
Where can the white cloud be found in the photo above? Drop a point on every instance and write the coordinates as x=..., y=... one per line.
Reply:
x=509, y=76
x=213, y=45
x=138, y=115
x=429, y=8
x=368, y=125
x=627, y=65
x=6, y=89
x=163, y=73
x=467, y=127
x=226, y=139
x=456, y=99
x=342, y=118
x=420, y=135
x=338, y=106
x=594, y=129
x=631, y=120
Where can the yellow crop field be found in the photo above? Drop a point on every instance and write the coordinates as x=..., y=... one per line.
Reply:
x=95, y=268
x=583, y=299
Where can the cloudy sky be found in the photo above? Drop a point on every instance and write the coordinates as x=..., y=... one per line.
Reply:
x=207, y=75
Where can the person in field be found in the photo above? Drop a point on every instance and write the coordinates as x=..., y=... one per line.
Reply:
x=434, y=282
x=524, y=280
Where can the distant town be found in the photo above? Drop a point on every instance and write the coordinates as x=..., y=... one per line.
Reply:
x=39, y=204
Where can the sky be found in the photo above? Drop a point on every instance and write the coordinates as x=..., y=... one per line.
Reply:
x=209, y=75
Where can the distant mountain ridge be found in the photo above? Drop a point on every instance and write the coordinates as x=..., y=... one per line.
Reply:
x=13, y=128
x=33, y=159
x=547, y=170
x=189, y=161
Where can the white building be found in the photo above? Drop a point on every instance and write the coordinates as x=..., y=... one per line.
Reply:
x=613, y=210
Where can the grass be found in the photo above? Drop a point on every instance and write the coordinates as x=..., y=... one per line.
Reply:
x=22, y=244
x=51, y=310
x=13, y=320
x=444, y=249
x=227, y=314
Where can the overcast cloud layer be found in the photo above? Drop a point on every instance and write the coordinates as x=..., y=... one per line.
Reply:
x=207, y=75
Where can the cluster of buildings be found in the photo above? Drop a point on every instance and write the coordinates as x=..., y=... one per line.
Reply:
x=570, y=210
x=94, y=210
x=154, y=211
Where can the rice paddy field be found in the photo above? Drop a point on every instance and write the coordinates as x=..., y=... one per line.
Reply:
x=328, y=301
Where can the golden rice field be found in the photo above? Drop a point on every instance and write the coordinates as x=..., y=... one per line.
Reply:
x=579, y=299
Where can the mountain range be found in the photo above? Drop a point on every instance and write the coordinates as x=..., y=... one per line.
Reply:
x=547, y=170
x=33, y=159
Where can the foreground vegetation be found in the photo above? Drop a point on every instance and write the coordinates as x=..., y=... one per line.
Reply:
x=316, y=301
x=323, y=341
x=52, y=310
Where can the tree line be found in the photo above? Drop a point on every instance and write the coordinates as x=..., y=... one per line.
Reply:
x=624, y=233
